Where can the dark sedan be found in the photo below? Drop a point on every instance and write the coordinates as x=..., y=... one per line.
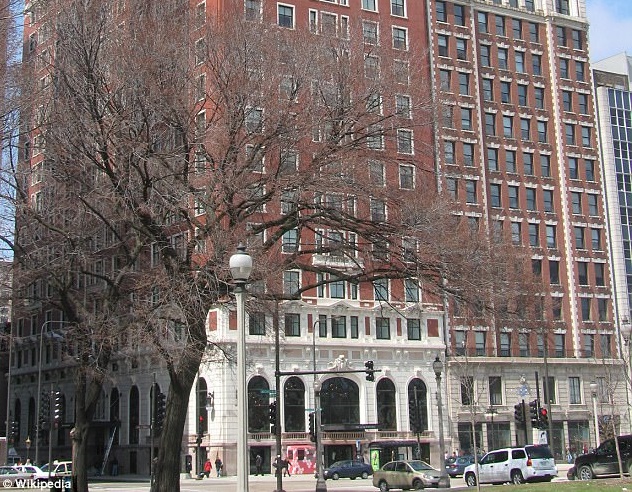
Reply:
x=348, y=469
x=458, y=466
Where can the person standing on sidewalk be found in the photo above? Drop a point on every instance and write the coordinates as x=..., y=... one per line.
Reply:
x=218, y=466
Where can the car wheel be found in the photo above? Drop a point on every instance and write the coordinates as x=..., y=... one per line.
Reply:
x=585, y=473
x=516, y=477
x=365, y=475
x=383, y=486
x=418, y=485
x=335, y=476
x=470, y=480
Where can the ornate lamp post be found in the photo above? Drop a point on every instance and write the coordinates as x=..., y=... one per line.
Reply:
x=444, y=480
x=490, y=412
x=240, y=268
x=593, y=392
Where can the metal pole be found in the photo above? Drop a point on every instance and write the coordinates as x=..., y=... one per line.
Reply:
x=417, y=423
x=39, y=395
x=321, y=484
x=524, y=423
x=444, y=480
x=277, y=410
x=8, y=421
x=152, y=429
x=50, y=435
x=594, y=401
x=242, y=392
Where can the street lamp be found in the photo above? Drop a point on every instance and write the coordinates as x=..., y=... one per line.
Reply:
x=593, y=392
x=444, y=480
x=240, y=267
x=28, y=447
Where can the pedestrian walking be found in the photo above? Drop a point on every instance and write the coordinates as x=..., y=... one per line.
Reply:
x=207, y=468
x=218, y=466
x=285, y=465
x=258, y=465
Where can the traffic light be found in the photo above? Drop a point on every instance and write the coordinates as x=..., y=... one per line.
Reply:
x=544, y=418
x=413, y=412
x=370, y=372
x=533, y=414
x=519, y=413
x=312, y=427
x=200, y=426
x=15, y=431
x=161, y=411
x=272, y=408
x=44, y=415
x=58, y=409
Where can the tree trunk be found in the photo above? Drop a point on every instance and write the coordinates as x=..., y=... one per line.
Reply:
x=79, y=438
x=167, y=467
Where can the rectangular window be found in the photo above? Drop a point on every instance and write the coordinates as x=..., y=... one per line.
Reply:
x=291, y=282
x=464, y=84
x=467, y=390
x=500, y=25
x=567, y=100
x=602, y=309
x=536, y=64
x=380, y=289
x=559, y=343
x=482, y=22
x=495, y=390
x=413, y=327
x=547, y=196
x=461, y=49
x=519, y=57
x=370, y=32
x=490, y=124
x=480, y=339
x=573, y=169
x=582, y=272
x=398, y=8
x=505, y=91
x=488, y=89
x=466, y=119
x=525, y=128
x=514, y=197
x=561, y=35
x=505, y=344
x=593, y=208
x=503, y=56
x=545, y=165
x=256, y=323
x=448, y=152
x=285, y=16
x=542, y=132
x=353, y=325
x=527, y=164
x=522, y=95
x=600, y=278
x=582, y=103
x=485, y=60
x=516, y=28
x=586, y=136
x=508, y=126
x=551, y=236
x=410, y=286
x=383, y=328
x=470, y=191
x=492, y=159
x=569, y=132
x=402, y=106
x=534, y=32
x=523, y=344
x=538, y=95
x=444, y=80
x=564, y=68
x=554, y=272
x=510, y=161
x=442, y=44
x=369, y=5
x=404, y=141
x=563, y=7
x=534, y=235
x=459, y=14
x=585, y=305
x=577, y=39
x=406, y=177
x=338, y=327
x=440, y=9
x=605, y=344
x=322, y=326
x=574, y=391
x=576, y=200
x=495, y=195
x=468, y=154
x=400, y=38
x=290, y=241
x=589, y=343
x=292, y=325
x=530, y=195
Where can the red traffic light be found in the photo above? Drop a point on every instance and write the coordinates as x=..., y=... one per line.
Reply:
x=543, y=412
x=201, y=418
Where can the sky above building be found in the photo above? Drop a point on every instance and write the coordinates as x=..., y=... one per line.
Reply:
x=610, y=27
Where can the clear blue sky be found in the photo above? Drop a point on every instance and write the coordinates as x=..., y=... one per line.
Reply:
x=610, y=27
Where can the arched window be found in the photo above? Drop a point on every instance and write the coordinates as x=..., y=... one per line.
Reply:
x=417, y=405
x=115, y=413
x=17, y=418
x=340, y=401
x=30, y=426
x=202, y=391
x=294, y=403
x=134, y=416
x=386, y=405
x=258, y=400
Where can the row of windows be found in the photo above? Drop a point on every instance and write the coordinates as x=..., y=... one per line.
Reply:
x=371, y=35
x=286, y=17
x=495, y=390
x=521, y=344
x=458, y=16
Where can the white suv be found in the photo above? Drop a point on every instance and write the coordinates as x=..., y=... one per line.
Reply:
x=531, y=463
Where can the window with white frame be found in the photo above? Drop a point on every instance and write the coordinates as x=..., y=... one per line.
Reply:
x=411, y=290
x=292, y=325
x=339, y=327
x=369, y=5
x=383, y=328
x=380, y=289
x=370, y=32
x=413, y=328
x=285, y=16
x=406, y=177
x=253, y=10
x=290, y=241
x=398, y=8
x=400, y=38
x=291, y=282
x=402, y=105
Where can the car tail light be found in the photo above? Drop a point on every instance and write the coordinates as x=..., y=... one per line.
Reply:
x=529, y=462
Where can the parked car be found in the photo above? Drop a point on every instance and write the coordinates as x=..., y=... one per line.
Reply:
x=457, y=467
x=58, y=469
x=531, y=463
x=9, y=475
x=413, y=474
x=348, y=469
x=33, y=470
x=603, y=461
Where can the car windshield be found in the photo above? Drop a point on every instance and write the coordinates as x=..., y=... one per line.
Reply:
x=338, y=464
x=44, y=468
x=539, y=452
x=420, y=465
x=463, y=460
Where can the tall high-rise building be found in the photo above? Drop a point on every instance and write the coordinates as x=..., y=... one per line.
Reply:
x=515, y=148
